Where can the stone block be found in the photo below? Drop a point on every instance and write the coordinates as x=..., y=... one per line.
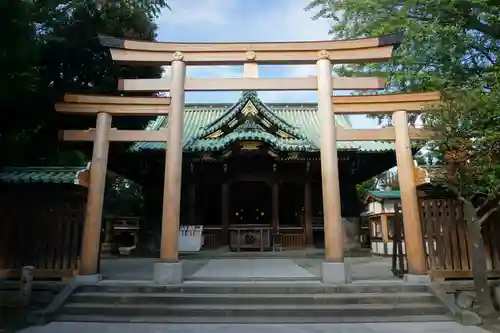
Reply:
x=334, y=272
x=168, y=273
x=88, y=279
x=417, y=279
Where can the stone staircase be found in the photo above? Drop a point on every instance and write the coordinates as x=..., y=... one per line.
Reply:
x=252, y=303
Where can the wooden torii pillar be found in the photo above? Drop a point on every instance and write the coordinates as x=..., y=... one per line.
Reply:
x=397, y=105
x=333, y=267
x=169, y=270
x=104, y=107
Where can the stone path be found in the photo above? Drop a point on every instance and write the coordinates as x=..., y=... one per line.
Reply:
x=250, y=269
x=360, y=268
x=435, y=327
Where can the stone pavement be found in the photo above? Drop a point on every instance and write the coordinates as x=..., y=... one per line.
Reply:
x=360, y=268
x=435, y=327
x=252, y=269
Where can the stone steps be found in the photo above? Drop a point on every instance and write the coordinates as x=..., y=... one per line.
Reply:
x=251, y=303
x=254, y=320
x=252, y=288
x=250, y=299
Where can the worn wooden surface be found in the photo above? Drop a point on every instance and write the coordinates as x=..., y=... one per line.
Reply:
x=46, y=236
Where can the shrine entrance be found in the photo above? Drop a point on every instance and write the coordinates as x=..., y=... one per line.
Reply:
x=250, y=216
x=250, y=203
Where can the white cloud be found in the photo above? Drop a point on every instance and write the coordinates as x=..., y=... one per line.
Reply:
x=189, y=14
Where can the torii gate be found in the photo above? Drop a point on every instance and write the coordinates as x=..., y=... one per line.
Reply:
x=250, y=55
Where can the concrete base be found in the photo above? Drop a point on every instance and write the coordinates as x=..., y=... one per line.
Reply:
x=93, y=278
x=334, y=272
x=168, y=273
x=417, y=279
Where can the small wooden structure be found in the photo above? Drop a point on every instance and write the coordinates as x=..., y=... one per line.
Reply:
x=380, y=215
x=444, y=226
x=42, y=210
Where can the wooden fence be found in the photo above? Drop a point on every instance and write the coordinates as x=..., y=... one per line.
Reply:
x=41, y=226
x=447, y=241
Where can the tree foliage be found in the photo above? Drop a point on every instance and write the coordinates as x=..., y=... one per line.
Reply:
x=445, y=42
x=52, y=49
x=469, y=142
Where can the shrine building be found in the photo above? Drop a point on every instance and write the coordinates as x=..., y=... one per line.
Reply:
x=251, y=172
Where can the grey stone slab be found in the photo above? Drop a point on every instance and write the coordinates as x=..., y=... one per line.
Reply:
x=417, y=279
x=168, y=273
x=334, y=272
x=433, y=327
x=136, y=269
x=93, y=278
x=252, y=268
x=360, y=268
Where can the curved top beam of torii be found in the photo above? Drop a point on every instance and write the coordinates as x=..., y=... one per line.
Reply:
x=372, y=49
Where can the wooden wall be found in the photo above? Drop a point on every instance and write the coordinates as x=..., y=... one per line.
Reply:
x=444, y=226
x=41, y=225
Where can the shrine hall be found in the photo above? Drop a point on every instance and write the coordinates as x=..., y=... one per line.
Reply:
x=251, y=172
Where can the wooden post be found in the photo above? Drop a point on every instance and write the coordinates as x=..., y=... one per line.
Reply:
x=334, y=251
x=192, y=203
x=173, y=164
x=225, y=212
x=308, y=213
x=276, y=207
x=414, y=243
x=385, y=232
x=251, y=69
x=91, y=240
x=385, y=229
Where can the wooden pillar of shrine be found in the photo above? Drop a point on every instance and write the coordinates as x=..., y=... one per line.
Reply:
x=334, y=250
x=173, y=164
x=308, y=214
x=276, y=207
x=225, y=212
x=91, y=239
x=414, y=243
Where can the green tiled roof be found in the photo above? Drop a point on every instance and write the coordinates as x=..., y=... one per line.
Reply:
x=383, y=195
x=61, y=175
x=300, y=121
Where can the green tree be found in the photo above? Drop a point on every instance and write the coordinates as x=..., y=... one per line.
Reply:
x=445, y=42
x=53, y=49
x=363, y=188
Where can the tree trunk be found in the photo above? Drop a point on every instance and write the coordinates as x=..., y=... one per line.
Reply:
x=483, y=292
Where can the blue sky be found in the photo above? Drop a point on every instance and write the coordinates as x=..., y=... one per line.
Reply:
x=246, y=20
